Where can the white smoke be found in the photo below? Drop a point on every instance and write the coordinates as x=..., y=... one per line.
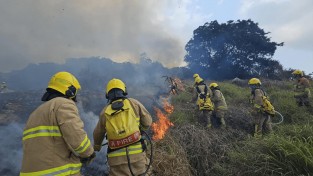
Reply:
x=11, y=149
x=35, y=32
x=99, y=165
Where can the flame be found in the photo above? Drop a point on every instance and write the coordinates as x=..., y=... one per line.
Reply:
x=168, y=107
x=161, y=126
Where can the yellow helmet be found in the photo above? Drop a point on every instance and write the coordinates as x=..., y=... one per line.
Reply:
x=254, y=81
x=198, y=80
x=297, y=72
x=196, y=75
x=116, y=83
x=213, y=85
x=65, y=83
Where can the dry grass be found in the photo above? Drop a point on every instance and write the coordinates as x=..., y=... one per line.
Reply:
x=206, y=148
x=233, y=151
x=170, y=158
x=193, y=150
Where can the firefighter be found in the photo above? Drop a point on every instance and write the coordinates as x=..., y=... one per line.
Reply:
x=54, y=139
x=220, y=106
x=302, y=89
x=118, y=120
x=262, y=119
x=204, y=104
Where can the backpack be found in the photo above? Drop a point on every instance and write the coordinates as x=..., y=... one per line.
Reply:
x=267, y=105
x=122, y=124
x=204, y=102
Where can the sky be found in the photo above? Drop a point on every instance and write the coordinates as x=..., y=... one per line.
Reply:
x=34, y=31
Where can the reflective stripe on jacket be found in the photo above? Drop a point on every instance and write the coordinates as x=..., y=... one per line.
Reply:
x=41, y=131
x=132, y=149
x=83, y=145
x=53, y=140
x=69, y=169
x=117, y=157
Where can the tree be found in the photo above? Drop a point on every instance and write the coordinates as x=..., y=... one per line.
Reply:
x=233, y=49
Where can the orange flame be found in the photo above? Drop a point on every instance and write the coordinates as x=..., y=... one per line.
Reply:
x=161, y=126
x=168, y=107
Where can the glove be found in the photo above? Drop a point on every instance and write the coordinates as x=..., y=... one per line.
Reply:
x=88, y=160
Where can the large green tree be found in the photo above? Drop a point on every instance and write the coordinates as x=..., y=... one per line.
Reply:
x=233, y=49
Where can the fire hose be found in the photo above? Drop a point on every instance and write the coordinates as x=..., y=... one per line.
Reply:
x=281, y=118
x=128, y=159
x=150, y=162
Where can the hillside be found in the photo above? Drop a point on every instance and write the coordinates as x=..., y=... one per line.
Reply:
x=93, y=73
x=189, y=149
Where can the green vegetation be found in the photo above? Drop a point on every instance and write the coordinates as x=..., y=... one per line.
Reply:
x=287, y=151
x=236, y=49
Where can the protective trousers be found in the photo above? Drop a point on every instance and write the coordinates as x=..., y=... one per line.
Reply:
x=219, y=116
x=262, y=124
x=138, y=162
x=204, y=118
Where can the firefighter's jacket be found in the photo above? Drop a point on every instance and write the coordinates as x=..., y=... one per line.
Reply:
x=256, y=98
x=201, y=88
x=203, y=104
x=54, y=140
x=302, y=88
x=117, y=157
x=218, y=100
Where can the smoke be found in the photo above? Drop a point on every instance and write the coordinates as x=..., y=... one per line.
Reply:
x=11, y=149
x=144, y=82
x=99, y=165
x=40, y=31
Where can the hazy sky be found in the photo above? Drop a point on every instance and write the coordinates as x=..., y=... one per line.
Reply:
x=34, y=31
